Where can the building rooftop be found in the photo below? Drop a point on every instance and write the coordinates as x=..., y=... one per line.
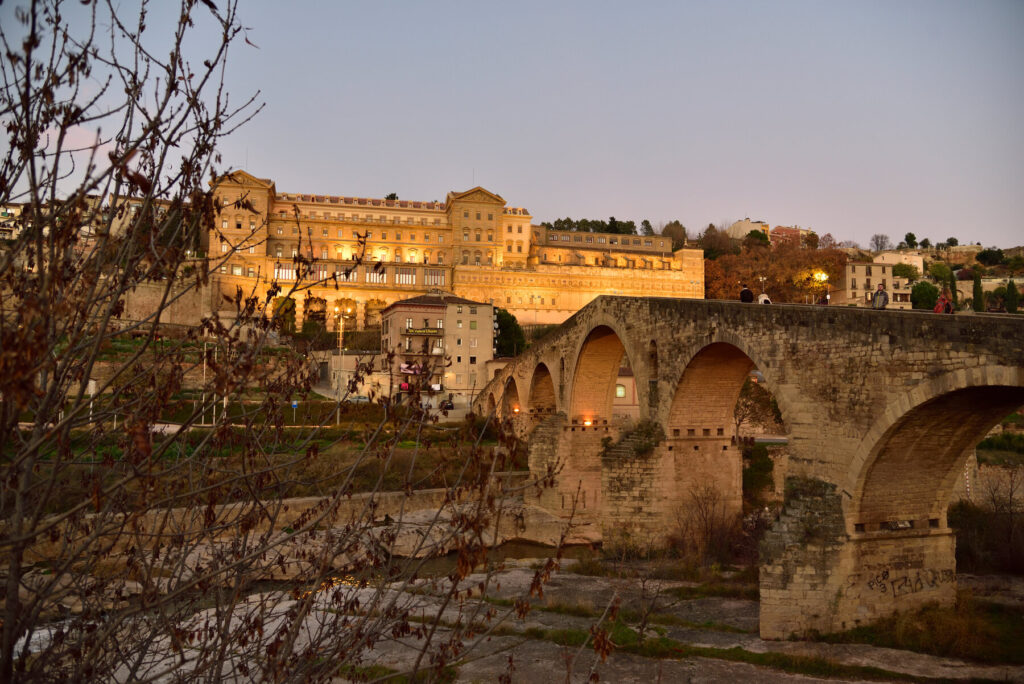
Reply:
x=436, y=299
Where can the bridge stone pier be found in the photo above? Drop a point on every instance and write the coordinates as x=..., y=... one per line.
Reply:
x=883, y=408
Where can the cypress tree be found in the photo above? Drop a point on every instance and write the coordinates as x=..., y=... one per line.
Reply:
x=979, y=294
x=1012, y=297
x=953, y=292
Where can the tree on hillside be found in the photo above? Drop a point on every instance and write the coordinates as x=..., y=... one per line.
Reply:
x=810, y=241
x=911, y=240
x=978, y=294
x=952, y=242
x=992, y=256
x=150, y=525
x=827, y=241
x=908, y=271
x=924, y=295
x=677, y=231
x=715, y=242
x=880, y=242
x=646, y=228
x=926, y=244
x=510, y=340
x=755, y=239
x=939, y=271
x=954, y=293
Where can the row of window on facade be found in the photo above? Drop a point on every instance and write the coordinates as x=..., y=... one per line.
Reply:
x=867, y=269
x=868, y=286
x=565, y=237
x=366, y=218
x=368, y=235
x=371, y=276
x=534, y=300
x=610, y=262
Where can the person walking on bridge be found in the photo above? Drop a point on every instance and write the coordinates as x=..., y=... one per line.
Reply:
x=880, y=299
x=746, y=294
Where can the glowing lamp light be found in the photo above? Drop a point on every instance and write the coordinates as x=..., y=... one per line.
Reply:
x=821, y=276
x=515, y=410
x=588, y=422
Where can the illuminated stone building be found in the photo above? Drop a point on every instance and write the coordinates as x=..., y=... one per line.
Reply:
x=370, y=253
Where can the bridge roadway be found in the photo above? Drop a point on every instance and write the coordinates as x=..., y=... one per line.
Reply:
x=883, y=408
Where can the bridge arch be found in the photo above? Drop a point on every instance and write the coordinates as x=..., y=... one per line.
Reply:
x=511, y=405
x=542, y=399
x=596, y=369
x=906, y=467
x=492, y=405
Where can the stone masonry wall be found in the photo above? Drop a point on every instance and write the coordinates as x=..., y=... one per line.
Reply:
x=856, y=388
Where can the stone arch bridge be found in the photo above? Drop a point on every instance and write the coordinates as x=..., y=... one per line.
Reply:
x=883, y=408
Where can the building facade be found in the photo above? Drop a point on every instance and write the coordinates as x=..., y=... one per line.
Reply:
x=367, y=254
x=439, y=342
x=861, y=280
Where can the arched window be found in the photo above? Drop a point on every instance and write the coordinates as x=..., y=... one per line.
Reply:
x=398, y=254
x=490, y=257
x=465, y=256
x=476, y=257
x=440, y=257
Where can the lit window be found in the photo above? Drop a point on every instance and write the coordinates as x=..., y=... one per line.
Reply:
x=620, y=391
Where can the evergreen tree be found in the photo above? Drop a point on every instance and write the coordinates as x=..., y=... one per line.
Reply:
x=978, y=294
x=1012, y=297
x=953, y=291
x=511, y=340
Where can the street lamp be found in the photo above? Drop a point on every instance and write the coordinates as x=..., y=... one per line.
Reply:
x=822, y=278
x=340, y=315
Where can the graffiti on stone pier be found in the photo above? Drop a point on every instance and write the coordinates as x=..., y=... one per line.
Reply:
x=900, y=583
